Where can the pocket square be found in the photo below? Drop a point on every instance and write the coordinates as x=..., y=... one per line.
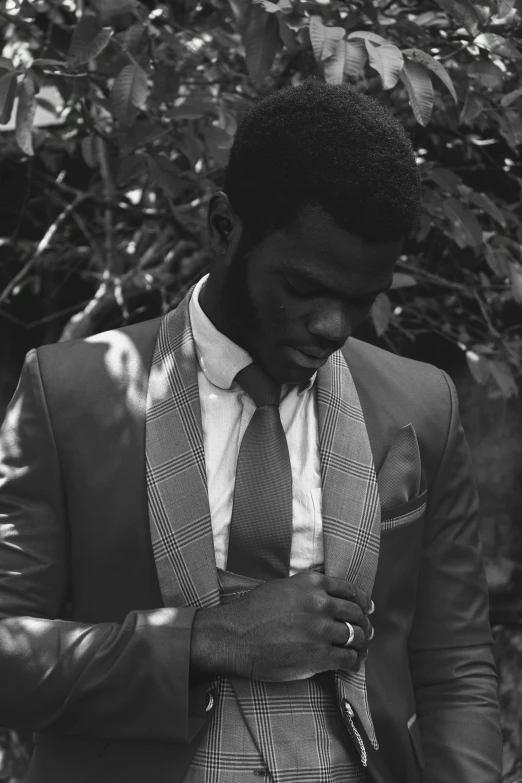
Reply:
x=399, y=478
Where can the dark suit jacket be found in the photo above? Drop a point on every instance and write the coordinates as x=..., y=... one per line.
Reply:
x=91, y=662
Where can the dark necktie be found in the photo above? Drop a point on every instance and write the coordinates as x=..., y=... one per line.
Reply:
x=261, y=524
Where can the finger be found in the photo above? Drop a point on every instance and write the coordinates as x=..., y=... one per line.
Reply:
x=341, y=634
x=343, y=658
x=347, y=611
x=362, y=657
x=340, y=588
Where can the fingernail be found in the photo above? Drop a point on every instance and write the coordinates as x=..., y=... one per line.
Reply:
x=373, y=634
x=372, y=608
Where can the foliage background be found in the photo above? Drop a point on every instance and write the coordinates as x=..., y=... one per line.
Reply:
x=103, y=205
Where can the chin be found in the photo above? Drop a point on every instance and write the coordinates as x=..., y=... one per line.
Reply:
x=294, y=374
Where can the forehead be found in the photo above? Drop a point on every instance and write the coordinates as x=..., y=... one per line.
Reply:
x=336, y=259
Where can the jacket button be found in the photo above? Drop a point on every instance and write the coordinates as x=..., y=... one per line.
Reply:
x=210, y=701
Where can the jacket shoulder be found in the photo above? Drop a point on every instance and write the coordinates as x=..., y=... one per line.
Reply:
x=94, y=365
x=366, y=359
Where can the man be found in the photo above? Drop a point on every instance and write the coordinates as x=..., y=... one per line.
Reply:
x=237, y=543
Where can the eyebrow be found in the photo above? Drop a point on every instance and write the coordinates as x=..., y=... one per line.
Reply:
x=303, y=274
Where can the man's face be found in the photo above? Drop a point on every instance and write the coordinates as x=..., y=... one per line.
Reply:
x=295, y=299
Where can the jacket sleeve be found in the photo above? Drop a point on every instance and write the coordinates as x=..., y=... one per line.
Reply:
x=109, y=680
x=450, y=645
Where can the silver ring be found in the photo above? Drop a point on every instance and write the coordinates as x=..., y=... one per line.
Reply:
x=352, y=634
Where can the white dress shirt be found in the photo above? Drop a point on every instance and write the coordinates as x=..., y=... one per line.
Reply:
x=226, y=410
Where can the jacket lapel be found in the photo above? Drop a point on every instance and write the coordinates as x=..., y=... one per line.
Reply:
x=179, y=513
x=351, y=508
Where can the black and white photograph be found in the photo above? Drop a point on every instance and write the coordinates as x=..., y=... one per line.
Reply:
x=260, y=391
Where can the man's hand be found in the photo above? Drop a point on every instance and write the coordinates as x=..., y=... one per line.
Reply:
x=285, y=629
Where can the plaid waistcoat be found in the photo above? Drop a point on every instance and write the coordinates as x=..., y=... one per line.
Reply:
x=179, y=512
x=289, y=732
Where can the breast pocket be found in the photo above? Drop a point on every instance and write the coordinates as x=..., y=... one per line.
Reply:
x=404, y=514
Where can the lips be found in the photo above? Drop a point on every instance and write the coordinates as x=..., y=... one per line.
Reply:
x=315, y=353
x=306, y=360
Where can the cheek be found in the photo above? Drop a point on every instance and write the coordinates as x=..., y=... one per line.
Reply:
x=281, y=311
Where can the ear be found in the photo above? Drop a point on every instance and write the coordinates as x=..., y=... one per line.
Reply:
x=222, y=223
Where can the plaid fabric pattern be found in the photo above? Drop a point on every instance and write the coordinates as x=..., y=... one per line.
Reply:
x=351, y=508
x=298, y=727
x=288, y=732
x=179, y=513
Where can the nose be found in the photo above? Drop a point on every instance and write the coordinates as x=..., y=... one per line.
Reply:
x=331, y=323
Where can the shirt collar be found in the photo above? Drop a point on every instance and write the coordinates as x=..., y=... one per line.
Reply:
x=220, y=359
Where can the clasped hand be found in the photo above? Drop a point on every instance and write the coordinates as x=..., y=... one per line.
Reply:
x=285, y=629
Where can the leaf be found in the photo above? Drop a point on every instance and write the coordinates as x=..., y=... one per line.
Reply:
x=381, y=314
x=165, y=174
x=108, y=10
x=132, y=168
x=165, y=82
x=387, y=60
x=400, y=280
x=192, y=147
x=88, y=148
x=504, y=8
x=510, y=126
x=355, y=57
x=88, y=41
x=417, y=55
x=218, y=142
x=489, y=206
x=511, y=97
x=466, y=228
x=515, y=274
x=6, y=64
x=44, y=62
x=334, y=65
x=325, y=39
x=420, y=90
x=445, y=178
x=25, y=115
x=498, y=45
x=473, y=107
x=188, y=108
x=241, y=10
x=464, y=12
x=502, y=374
x=317, y=36
x=142, y=132
x=270, y=8
x=129, y=92
x=261, y=44
x=498, y=260
x=287, y=35
x=8, y=84
x=425, y=227
x=487, y=73
x=365, y=35
x=134, y=39
x=479, y=366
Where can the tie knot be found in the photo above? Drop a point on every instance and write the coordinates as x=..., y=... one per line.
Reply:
x=256, y=383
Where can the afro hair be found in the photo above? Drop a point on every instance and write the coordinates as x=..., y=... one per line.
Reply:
x=326, y=144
